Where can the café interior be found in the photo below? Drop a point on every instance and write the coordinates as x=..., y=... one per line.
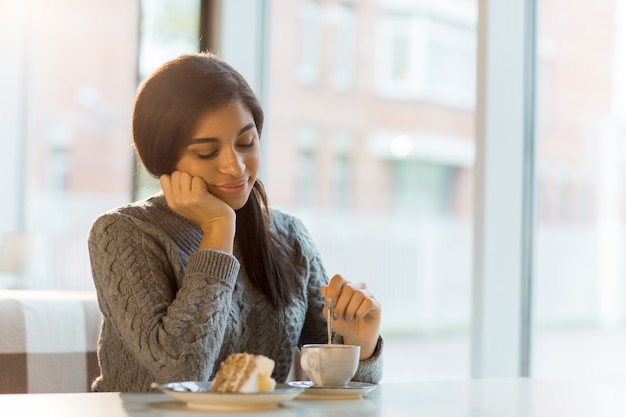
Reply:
x=464, y=158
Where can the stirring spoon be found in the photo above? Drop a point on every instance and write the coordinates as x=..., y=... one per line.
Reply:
x=329, y=317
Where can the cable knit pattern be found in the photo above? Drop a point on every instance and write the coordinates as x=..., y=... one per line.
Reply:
x=172, y=313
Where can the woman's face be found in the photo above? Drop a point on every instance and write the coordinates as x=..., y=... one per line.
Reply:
x=224, y=151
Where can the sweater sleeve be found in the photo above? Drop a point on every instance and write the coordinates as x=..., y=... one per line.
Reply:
x=175, y=333
x=314, y=330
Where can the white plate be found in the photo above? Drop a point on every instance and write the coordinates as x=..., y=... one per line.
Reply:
x=196, y=395
x=352, y=391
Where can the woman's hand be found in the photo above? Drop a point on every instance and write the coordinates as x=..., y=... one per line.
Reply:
x=189, y=197
x=357, y=313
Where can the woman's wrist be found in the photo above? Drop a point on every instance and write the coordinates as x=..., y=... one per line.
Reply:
x=219, y=234
x=368, y=348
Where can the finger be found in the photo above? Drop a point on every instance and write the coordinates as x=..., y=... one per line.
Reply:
x=174, y=183
x=165, y=180
x=185, y=181
x=333, y=289
x=198, y=186
x=166, y=185
x=341, y=301
x=353, y=306
x=349, y=300
x=327, y=302
x=364, y=308
x=324, y=290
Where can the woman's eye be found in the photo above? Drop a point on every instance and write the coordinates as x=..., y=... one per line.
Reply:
x=206, y=155
x=247, y=144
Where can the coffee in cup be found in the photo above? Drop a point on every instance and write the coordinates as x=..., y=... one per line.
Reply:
x=330, y=365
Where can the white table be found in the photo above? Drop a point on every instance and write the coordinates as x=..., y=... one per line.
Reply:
x=475, y=398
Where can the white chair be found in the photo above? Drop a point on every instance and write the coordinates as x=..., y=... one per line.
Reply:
x=48, y=341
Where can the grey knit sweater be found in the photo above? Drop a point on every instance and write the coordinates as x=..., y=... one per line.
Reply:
x=173, y=313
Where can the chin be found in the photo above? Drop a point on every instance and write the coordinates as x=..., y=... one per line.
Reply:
x=237, y=203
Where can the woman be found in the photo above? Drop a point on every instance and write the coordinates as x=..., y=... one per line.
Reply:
x=206, y=268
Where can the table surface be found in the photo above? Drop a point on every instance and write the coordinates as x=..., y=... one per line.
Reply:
x=475, y=398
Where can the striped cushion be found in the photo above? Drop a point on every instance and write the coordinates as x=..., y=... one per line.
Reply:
x=48, y=341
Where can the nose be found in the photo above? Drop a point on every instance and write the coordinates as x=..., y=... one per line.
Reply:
x=231, y=163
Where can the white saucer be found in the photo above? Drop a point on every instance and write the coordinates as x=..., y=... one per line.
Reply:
x=196, y=395
x=352, y=391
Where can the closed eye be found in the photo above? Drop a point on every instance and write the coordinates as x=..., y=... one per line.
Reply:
x=206, y=156
x=247, y=145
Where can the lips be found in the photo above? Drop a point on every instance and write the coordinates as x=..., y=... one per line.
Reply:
x=233, y=187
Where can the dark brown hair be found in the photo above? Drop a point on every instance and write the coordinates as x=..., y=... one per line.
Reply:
x=167, y=106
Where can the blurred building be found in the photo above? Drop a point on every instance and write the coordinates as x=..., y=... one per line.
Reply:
x=371, y=105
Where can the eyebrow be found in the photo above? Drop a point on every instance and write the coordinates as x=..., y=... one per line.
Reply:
x=208, y=140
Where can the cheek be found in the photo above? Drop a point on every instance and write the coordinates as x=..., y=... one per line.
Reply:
x=193, y=167
x=254, y=167
x=253, y=162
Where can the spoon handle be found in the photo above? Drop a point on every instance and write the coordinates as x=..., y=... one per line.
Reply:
x=329, y=318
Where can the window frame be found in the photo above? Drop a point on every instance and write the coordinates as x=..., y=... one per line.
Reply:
x=504, y=181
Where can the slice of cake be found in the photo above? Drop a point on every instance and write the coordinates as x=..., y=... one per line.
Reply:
x=244, y=372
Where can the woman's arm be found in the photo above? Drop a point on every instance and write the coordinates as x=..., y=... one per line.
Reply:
x=174, y=333
x=362, y=328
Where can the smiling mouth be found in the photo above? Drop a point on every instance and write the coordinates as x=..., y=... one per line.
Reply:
x=233, y=188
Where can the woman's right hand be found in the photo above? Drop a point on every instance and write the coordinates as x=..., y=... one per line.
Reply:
x=189, y=197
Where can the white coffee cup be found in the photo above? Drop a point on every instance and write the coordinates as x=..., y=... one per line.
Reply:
x=330, y=365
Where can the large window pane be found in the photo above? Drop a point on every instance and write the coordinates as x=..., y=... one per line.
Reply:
x=72, y=68
x=78, y=61
x=579, y=285
x=370, y=142
x=168, y=28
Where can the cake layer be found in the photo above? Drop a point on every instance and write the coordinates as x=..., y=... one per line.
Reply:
x=244, y=372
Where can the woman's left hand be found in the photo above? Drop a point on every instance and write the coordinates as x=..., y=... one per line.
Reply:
x=357, y=313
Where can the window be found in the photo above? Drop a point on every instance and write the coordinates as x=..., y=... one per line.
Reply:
x=310, y=40
x=579, y=284
x=306, y=167
x=427, y=54
x=381, y=160
x=168, y=28
x=344, y=38
x=342, y=181
x=70, y=110
x=71, y=75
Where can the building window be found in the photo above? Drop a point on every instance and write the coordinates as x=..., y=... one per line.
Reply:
x=417, y=188
x=426, y=58
x=307, y=140
x=344, y=41
x=342, y=145
x=310, y=42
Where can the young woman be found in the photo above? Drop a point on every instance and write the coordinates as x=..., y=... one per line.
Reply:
x=205, y=268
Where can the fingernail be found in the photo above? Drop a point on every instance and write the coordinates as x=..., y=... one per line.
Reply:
x=335, y=316
x=330, y=302
x=346, y=318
